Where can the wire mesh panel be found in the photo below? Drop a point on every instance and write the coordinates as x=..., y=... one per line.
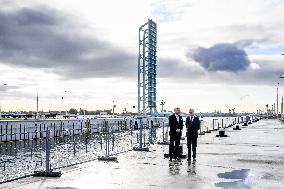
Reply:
x=68, y=144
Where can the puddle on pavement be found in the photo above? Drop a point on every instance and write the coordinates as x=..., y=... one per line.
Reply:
x=233, y=185
x=239, y=177
x=235, y=174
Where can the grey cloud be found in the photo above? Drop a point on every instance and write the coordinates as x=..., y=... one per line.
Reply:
x=185, y=72
x=39, y=37
x=43, y=38
x=177, y=69
x=267, y=74
x=222, y=57
x=6, y=88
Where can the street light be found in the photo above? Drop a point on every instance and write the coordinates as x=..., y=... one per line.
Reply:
x=114, y=106
x=277, y=101
x=162, y=104
x=64, y=97
x=4, y=84
x=267, y=111
x=233, y=109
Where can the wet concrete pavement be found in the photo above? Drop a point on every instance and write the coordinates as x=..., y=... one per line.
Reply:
x=250, y=158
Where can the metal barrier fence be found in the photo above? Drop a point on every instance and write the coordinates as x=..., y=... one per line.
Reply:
x=20, y=159
x=32, y=129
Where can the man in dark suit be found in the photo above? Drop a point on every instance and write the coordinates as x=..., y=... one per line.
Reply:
x=176, y=126
x=192, y=125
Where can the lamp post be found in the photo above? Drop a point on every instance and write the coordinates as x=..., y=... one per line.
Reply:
x=0, y=104
x=125, y=109
x=281, y=77
x=267, y=111
x=281, y=107
x=277, y=101
x=113, y=106
x=162, y=104
x=63, y=97
x=37, y=116
x=233, y=109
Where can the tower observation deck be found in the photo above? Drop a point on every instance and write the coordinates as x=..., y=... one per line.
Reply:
x=147, y=64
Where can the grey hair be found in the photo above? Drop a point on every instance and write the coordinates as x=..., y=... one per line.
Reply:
x=177, y=108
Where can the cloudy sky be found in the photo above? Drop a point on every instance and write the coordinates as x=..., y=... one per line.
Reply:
x=212, y=54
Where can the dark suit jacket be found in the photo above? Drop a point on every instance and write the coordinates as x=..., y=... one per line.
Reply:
x=192, y=127
x=174, y=124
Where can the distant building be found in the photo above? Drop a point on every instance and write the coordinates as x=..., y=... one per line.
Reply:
x=103, y=113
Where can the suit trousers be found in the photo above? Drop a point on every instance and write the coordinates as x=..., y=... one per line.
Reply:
x=191, y=145
x=174, y=145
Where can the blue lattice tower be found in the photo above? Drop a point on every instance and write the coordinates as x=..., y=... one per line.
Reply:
x=147, y=64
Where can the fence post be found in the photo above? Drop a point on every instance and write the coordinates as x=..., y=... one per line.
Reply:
x=141, y=130
x=107, y=156
x=167, y=133
x=163, y=131
x=131, y=132
x=140, y=147
x=151, y=132
x=47, y=151
x=106, y=139
x=48, y=172
x=74, y=144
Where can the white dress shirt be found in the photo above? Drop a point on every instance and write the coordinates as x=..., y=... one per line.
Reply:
x=177, y=117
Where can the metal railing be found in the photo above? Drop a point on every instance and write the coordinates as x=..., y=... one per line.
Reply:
x=22, y=158
x=19, y=159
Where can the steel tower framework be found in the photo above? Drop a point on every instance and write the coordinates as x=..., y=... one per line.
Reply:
x=147, y=65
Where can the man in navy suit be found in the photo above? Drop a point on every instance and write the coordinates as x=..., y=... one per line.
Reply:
x=192, y=125
x=176, y=126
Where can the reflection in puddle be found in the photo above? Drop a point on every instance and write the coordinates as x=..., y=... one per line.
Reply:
x=174, y=167
x=191, y=170
x=235, y=174
x=241, y=183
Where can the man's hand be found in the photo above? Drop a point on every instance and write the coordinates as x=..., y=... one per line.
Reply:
x=178, y=130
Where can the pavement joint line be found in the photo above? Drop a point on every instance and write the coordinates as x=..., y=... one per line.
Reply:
x=219, y=166
x=27, y=182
